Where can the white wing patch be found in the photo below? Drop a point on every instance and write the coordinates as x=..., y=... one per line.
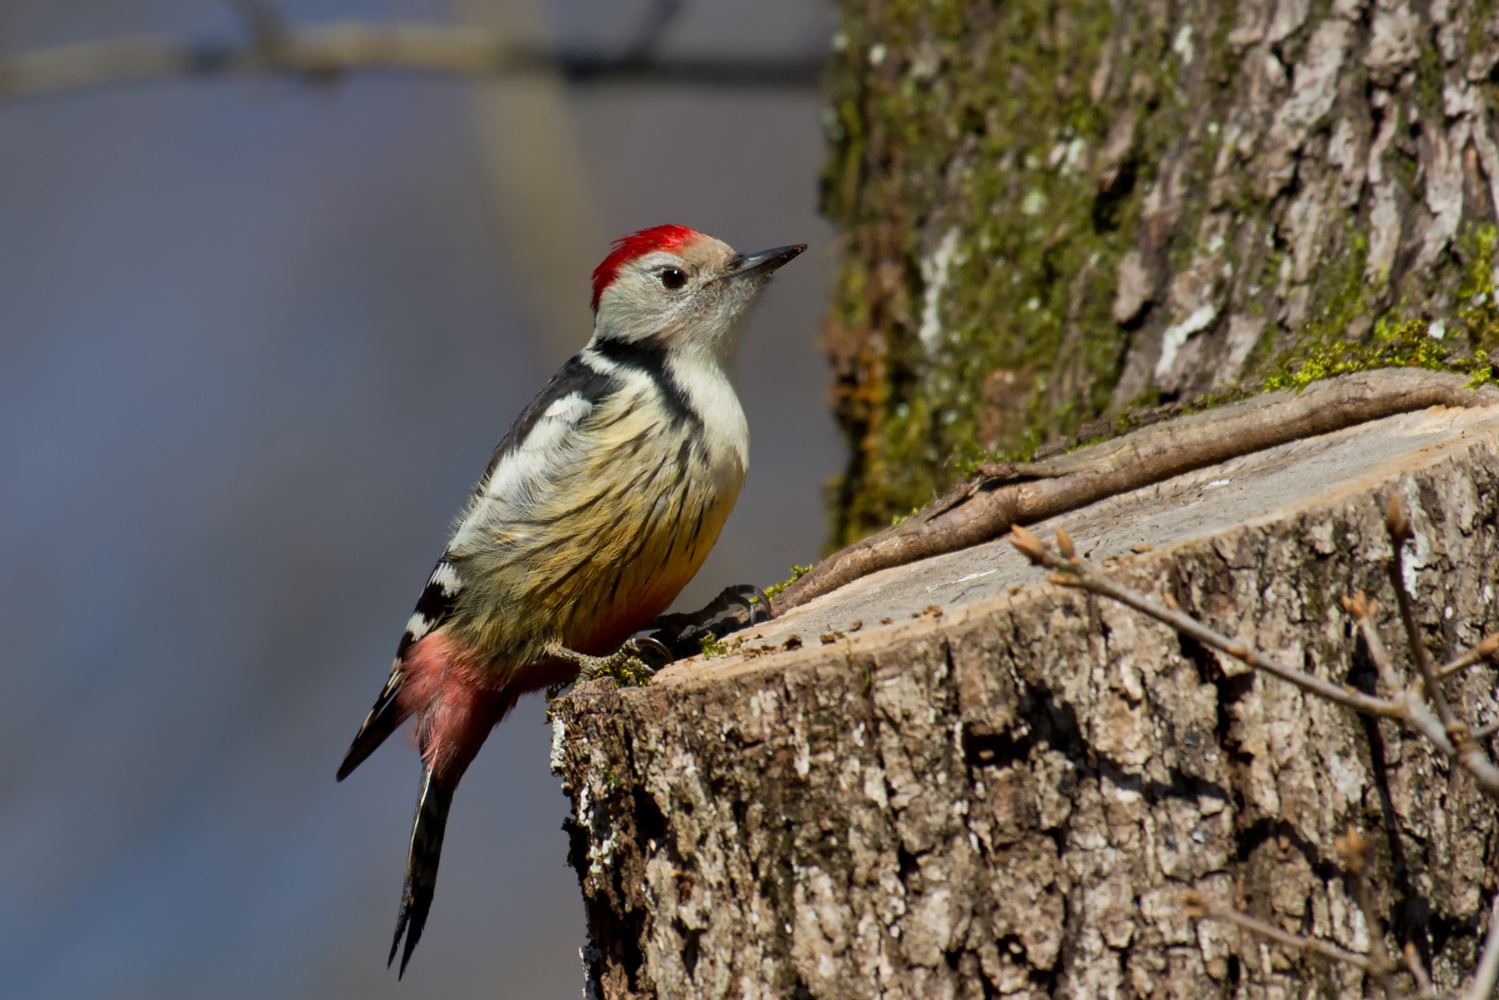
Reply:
x=570, y=408
x=417, y=626
x=446, y=578
x=519, y=468
x=514, y=477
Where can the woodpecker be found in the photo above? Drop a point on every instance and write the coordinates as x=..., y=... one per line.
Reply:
x=598, y=506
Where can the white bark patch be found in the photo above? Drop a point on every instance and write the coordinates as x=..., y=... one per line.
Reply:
x=1289, y=16
x=1133, y=287
x=934, y=271
x=1488, y=155
x=1444, y=190
x=1384, y=217
x=559, y=735
x=1175, y=337
x=1392, y=46
x=1305, y=219
x=1243, y=334
x=1182, y=44
x=1314, y=88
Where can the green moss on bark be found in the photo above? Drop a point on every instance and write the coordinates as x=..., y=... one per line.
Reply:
x=991, y=166
x=962, y=170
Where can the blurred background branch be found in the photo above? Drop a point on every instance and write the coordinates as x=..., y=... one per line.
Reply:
x=332, y=50
x=531, y=155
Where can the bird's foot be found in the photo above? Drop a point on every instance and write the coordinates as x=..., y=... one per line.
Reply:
x=627, y=664
x=691, y=633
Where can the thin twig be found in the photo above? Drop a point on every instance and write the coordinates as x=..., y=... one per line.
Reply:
x=1407, y=705
x=1398, y=525
x=1467, y=750
x=1413, y=965
x=1198, y=906
x=1412, y=704
x=1485, y=650
x=1363, y=610
x=1077, y=572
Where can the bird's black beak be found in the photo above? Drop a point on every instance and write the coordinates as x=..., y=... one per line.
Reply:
x=749, y=265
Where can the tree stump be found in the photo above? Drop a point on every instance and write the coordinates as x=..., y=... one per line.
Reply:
x=955, y=779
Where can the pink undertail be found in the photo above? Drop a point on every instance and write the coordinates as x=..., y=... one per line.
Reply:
x=455, y=710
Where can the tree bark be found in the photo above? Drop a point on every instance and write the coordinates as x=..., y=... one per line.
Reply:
x=953, y=779
x=1053, y=210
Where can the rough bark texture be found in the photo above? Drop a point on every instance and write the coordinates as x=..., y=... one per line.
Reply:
x=951, y=779
x=1057, y=209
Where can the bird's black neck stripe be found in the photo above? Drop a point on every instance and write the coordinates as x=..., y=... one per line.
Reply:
x=649, y=358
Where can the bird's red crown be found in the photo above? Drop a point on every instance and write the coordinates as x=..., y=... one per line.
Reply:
x=627, y=248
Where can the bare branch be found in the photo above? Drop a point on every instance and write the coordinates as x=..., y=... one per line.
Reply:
x=1003, y=496
x=1398, y=524
x=1198, y=906
x=1413, y=965
x=1362, y=609
x=1468, y=753
x=334, y=49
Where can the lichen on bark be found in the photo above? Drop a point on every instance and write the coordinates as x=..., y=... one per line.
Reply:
x=1053, y=210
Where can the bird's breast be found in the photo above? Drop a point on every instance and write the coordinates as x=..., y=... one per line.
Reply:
x=612, y=539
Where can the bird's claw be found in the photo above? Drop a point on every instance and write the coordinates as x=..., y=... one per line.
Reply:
x=735, y=608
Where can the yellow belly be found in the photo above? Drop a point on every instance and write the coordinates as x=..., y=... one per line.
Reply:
x=604, y=552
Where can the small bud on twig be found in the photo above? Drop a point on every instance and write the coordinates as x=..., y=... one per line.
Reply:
x=1029, y=545
x=1353, y=848
x=1064, y=544
x=1396, y=521
x=1193, y=903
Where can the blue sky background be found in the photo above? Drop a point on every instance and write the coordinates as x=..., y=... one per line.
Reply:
x=257, y=340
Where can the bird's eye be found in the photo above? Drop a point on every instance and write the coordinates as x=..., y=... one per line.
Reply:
x=673, y=277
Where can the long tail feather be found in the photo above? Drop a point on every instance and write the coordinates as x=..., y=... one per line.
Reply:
x=452, y=724
x=421, y=865
x=380, y=723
